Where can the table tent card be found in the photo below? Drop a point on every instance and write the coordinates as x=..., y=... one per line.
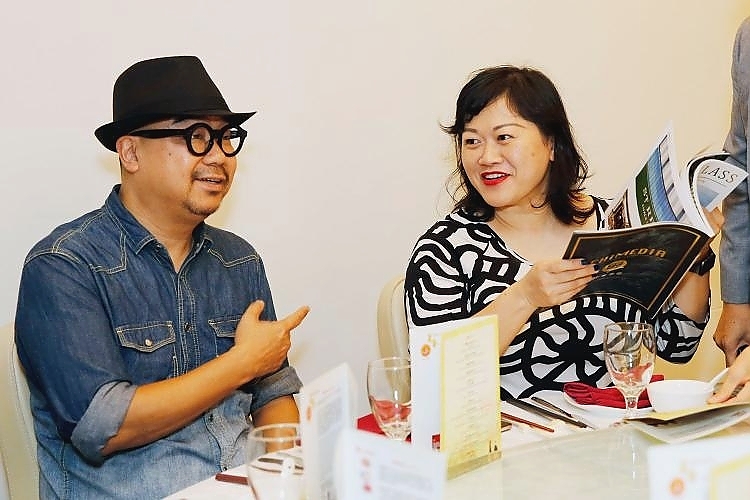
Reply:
x=456, y=391
x=372, y=467
x=714, y=468
x=327, y=408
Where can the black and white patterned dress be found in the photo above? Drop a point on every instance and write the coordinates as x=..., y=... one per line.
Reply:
x=460, y=265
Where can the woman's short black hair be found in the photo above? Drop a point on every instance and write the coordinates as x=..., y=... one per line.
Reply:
x=533, y=96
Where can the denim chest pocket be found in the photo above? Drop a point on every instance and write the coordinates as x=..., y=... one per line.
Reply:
x=224, y=330
x=149, y=350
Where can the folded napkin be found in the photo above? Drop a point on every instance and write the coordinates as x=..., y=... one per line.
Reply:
x=369, y=424
x=584, y=394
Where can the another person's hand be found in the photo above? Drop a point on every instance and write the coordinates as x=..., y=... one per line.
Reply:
x=738, y=375
x=553, y=282
x=715, y=218
x=733, y=330
x=265, y=343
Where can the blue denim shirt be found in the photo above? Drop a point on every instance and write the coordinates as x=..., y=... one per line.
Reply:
x=101, y=311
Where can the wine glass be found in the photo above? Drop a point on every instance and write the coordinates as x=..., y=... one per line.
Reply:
x=274, y=462
x=389, y=391
x=629, y=353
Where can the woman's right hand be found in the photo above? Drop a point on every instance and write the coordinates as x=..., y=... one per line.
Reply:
x=553, y=282
x=737, y=376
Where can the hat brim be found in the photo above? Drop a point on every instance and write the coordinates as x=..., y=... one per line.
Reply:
x=110, y=132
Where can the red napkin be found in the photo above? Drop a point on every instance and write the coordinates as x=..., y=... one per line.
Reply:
x=584, y=394
x=368, y=423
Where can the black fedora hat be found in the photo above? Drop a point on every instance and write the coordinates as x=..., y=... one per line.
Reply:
x=165, y=87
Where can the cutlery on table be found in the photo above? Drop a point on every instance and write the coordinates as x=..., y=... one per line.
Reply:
x=513, y=418
x=230, y=478
x=274, y=470
x=537, y=410
x=556, y=408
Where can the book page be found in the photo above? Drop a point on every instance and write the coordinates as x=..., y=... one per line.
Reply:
x=714, y=179
x=657, y=192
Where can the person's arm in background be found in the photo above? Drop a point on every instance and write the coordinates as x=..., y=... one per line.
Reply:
x=733, y=329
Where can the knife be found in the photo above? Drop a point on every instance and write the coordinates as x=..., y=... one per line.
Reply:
x=557, y=409
x=532, y=408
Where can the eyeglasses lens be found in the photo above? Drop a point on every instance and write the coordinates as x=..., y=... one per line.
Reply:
x=201, y=139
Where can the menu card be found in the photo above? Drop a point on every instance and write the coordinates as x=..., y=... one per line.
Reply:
x=327, y=408
x=456, y=391
x=371, y=466
x=713, y=468
x=684, y=425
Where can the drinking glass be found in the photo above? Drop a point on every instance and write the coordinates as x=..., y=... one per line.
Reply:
x=389, y=391
x=274, y=462
x=629, y=353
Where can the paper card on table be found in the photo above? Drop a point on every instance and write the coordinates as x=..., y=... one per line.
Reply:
x=730, y=480
x=327, y=405
x=456, y=391
x=685, y=425
x=699, y=469
x=371, y=466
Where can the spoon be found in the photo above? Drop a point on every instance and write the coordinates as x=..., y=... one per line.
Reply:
x=719, y=376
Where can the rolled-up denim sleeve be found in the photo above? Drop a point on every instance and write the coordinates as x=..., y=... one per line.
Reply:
x=283, y=382
x=102, y=419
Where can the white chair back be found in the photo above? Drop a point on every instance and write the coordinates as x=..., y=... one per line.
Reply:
x=17, y=439
x=393, y=332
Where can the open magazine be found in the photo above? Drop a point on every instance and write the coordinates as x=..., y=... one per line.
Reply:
x=656, y=226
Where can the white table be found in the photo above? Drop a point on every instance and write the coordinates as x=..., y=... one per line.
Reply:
x=579, y=465
x=571, y=463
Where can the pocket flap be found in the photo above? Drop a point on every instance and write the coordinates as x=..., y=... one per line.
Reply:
x=148, y=337
x=225, y=327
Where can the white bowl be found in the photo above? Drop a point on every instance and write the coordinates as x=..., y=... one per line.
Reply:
x=678, y=394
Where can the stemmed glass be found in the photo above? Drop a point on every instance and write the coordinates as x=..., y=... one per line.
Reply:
x=389, y=391
x=274, y=462
x=629, y=353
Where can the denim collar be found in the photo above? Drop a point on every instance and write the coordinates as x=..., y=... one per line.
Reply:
x=137, y=236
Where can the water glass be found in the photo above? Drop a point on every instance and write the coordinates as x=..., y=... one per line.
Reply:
x=389, y=391
x=274, y=462
x=629, y=353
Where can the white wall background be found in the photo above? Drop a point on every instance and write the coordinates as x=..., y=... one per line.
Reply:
x=345, y=164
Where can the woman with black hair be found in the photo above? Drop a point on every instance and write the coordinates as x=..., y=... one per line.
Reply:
x=519, y=198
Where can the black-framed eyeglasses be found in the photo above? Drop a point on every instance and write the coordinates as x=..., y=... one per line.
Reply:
x=200, y=137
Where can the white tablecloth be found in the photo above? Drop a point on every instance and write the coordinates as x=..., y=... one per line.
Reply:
x=487, y=481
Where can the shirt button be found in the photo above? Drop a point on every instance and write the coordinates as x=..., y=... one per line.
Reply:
x=187, y=326
x=149, y=342
x=210, y=417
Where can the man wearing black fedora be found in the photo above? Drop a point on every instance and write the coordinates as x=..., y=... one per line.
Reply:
x=148, y=336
